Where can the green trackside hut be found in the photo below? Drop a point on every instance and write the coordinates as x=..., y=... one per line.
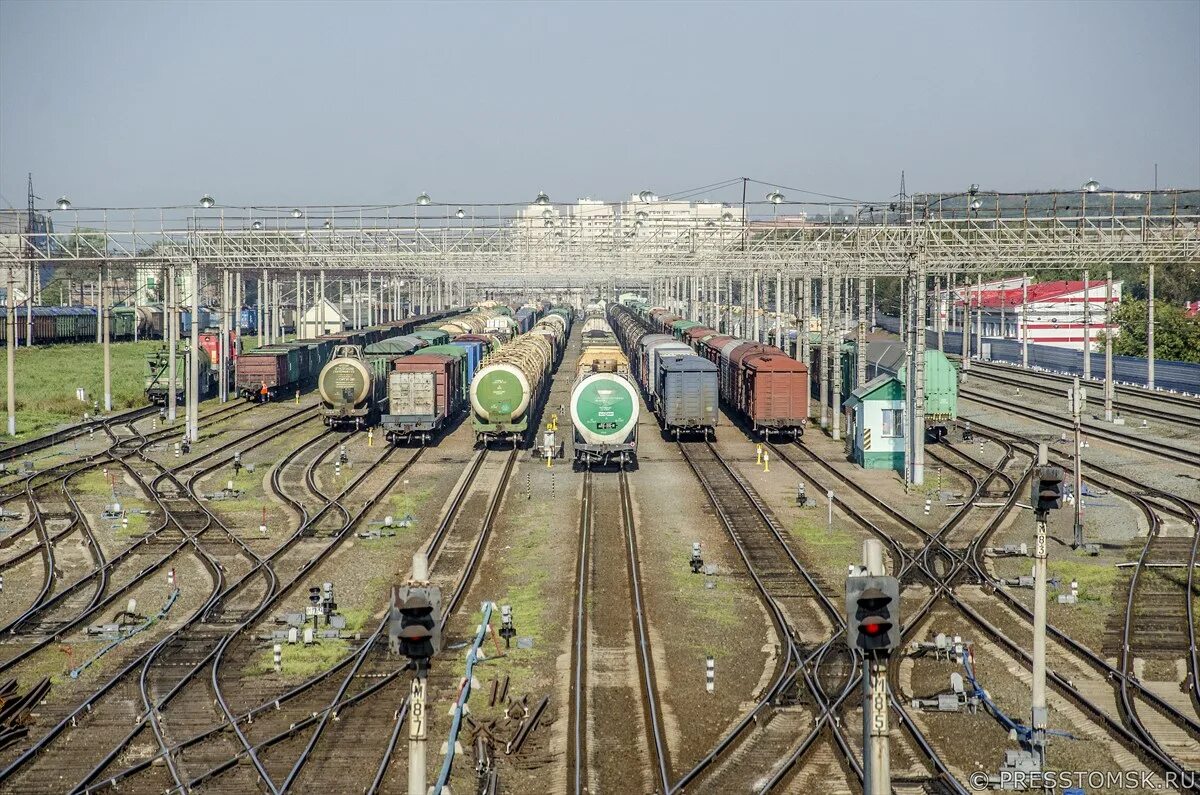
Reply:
x=875, y=423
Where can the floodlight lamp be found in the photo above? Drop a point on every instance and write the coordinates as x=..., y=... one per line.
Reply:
x=63, y=203
x=296, y=213
x=1091, y=186
x=423, y=200
x=206, y=201
x=542, y=199
x=646, y=196
x=775, y=197
x=460, y=213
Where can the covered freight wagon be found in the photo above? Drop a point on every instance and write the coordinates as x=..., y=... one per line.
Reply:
x=423, y=396
x=686, y=386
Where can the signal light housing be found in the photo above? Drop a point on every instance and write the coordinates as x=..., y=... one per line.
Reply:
x=873, y=614
x=1047, y=489
x=414, y=623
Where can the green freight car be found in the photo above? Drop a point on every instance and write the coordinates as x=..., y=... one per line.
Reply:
x=158, y=376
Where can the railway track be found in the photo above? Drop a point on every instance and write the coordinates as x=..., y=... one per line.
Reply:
x=769, y=740
x=118, y=685
x=969, y=563
x=1159, y=448
x=1188, y=413
x=604, y=691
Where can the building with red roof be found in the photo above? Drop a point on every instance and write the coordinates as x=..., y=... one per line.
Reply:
x=1059, y=313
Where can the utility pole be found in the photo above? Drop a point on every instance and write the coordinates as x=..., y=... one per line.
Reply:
x=1108, y=351
x=1150, y=332
x=1078, y=401
x=803, y=339
x=938, y=320
x=321, y=302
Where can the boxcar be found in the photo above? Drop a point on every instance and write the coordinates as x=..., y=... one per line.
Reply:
x=686, y=385
x=423, y=396
x=772, y=393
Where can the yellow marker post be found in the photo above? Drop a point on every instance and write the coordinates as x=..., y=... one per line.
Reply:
x=548, y=461
x=766, y=462
x=759, y=450
x=370, y=437
x=297, y=397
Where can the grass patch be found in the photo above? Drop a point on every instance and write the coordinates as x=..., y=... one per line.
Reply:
x=715, y=608
x=1096, y=581
x=47, y=377
x=300, y=660
x=826, y=548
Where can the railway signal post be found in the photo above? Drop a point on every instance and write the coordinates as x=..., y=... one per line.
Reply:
x=414, y=630
x=873, y=630
x=1046, y=495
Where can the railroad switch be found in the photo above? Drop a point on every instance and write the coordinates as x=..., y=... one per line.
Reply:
x=1010, y=551
x=943, y=646
x=697, y=561
x=957, y=700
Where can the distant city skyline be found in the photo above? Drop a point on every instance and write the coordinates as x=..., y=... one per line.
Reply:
x=135, y=104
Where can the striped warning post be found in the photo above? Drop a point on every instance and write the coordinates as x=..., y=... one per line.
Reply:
x=927, y=504
x=278, y=655
x=866, y=438
x=709, y=673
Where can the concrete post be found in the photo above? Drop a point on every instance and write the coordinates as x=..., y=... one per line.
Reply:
x=779, y=309
x=825, y=346
x=1109, y=388
x=222, y=346
x=11, y=321
x=916, y=376
x=861, y=352
x=804, y=342
x=979, y=316
x=193, y=381
x=1150, y=332
x=171, y=327
x=260, y=308
x=905, y=313
x=1025, y=320
x=321, y=302
x=1038, y=710
x=757, y=308
x=835, y=361
x=105, y=315
x=877, y=776
x=1087, y=327
x=939, y=320
x=370, y=297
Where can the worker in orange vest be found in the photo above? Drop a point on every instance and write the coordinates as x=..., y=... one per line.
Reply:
x=263, y=392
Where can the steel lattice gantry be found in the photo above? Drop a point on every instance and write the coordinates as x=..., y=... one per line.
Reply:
x=502, y=252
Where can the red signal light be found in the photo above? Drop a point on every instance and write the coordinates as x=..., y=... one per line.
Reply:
x=872, y=629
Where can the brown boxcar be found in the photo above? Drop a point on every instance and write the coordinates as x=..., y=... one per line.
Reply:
x=772, y=392
x=424, y=393
x=693, y=336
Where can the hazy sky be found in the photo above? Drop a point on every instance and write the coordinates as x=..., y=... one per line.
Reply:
x=147, y=103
